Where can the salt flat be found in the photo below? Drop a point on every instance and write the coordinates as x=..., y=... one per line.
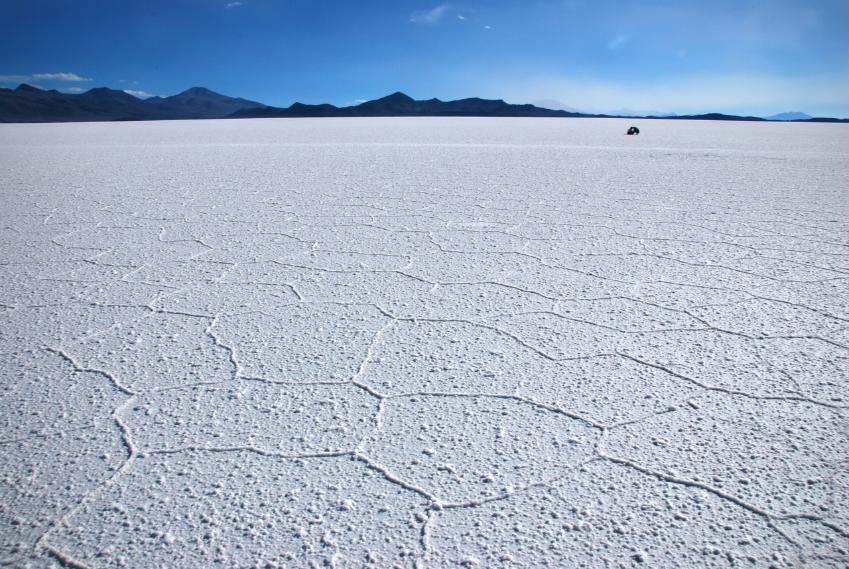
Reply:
x=424, y=342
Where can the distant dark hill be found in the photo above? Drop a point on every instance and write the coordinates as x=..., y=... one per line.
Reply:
x=710, y=117
x=29, y=104
x=821, y=119
x=401, y=105
x=197, y=103
x=396, y=104
x=790, y=116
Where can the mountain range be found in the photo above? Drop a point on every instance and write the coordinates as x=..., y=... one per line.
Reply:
x=30, y=104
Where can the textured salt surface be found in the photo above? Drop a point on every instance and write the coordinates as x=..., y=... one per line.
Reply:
x=424, y=342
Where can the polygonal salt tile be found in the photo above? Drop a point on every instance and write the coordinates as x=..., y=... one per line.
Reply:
x=682, y=296
x=774, y=245
x=267, y=273
x=302, y=342
x=400, y=223
x=179, y=273
x=450, y=357
x=155, y=352
x=345, y=209
x=669, y=230
x=649, y=268
x=463, y=449
x=276, y=418
x=836, y=263
x=252, y=247
x=559, y=337
x=827, y=232
x=44, y=292
x=83, y=272
x=758, y=317
x=781, y=270
x=449, y=267
x=468, y=302
x=343, y=260
x=567, y=281
x=805, y=367
x=627, y=315
x=66, y=400
x=150, y=253
x=365, y=239
x=109, y=237
x=830, y=297
x=610, y=389
x=204, y=226
x=478, y=241
x=563, y=234
x=569, y=249
x=226, y=298
x=716, y=252
x=42, y=252
x=359, y=287
x=21, y=227
x=58, y=325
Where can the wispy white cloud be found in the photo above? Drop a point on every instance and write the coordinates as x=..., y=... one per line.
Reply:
x=461, y=17
x=64, y=76
x=139, y=94
x=234, y=4
x=60, y=77
x=618, y=42
x=432, y=16
x=74, y=89
x=14, y=78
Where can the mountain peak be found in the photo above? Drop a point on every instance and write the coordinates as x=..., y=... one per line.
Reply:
x=397, y=97
x=107, y=94
x=199, y=92
x=197, y=103
x=25, y=88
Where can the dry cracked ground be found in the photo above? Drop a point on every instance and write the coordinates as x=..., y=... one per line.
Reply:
x=424, y=343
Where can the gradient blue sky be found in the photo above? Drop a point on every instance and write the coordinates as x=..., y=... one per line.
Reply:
x=744, y=56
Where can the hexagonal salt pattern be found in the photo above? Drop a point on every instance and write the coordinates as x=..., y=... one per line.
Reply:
x=424, y=343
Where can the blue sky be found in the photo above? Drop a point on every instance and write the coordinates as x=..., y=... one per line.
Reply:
x=742, y=56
